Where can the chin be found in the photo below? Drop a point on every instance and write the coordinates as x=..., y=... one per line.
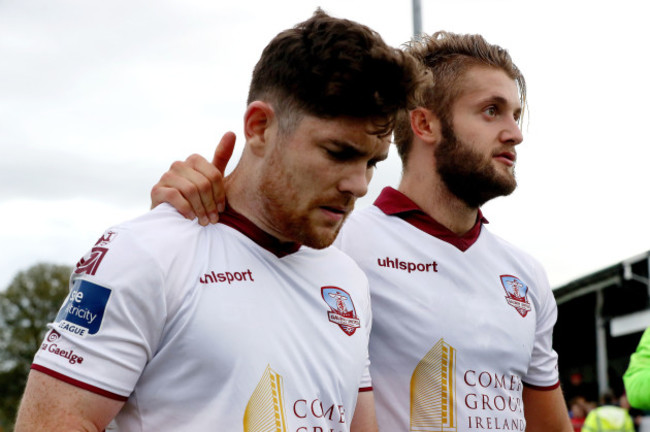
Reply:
x=321, y=238
x=318, y=243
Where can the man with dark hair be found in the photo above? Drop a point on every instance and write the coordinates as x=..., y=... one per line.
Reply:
x=254, y=324
x=463, y=320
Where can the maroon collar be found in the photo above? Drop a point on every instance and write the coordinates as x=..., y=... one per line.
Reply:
x=239, y=222
x=394, y=203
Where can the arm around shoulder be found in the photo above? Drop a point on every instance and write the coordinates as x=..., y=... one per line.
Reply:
x=52, y=405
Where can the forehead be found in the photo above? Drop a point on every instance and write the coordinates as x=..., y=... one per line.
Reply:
x=481, y=83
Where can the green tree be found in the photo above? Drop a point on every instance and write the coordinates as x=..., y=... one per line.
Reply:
x=26, y=306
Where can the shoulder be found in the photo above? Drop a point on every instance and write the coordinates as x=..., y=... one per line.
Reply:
x=364, y=214
x=148, y=244
x=360, y=223
x=162, y=217
x=332, y=256
x=146, y=263
x=510, y=250
x=158, y=229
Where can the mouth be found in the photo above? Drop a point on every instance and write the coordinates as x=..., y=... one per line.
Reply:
x=336, y=210
x=508, y=158
x=336, y=213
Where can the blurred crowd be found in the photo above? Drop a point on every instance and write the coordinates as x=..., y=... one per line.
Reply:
x=610, y=413
x=628, y=411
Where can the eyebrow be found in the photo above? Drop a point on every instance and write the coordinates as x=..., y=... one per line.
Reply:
x=500, y=100
x=355, y=151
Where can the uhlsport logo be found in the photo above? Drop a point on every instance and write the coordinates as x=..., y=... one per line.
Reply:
x=516, y=293
x=342, y=310
x=83, y=312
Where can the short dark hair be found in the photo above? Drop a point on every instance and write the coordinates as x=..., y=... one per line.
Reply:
x=330, y=67
x=448, y=56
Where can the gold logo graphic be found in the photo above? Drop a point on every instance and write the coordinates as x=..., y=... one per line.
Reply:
x=433, y=390
x=265, y=409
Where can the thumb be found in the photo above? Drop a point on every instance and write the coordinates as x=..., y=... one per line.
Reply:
x=224, y=151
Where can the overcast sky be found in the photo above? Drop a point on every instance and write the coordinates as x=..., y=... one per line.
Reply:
x=97, y=98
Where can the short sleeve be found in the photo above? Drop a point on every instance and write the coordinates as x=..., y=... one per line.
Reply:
x=543, y=368
x=111, y=322
x=366, y=380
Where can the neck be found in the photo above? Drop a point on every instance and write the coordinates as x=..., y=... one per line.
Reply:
x=242, y=196
x=438, y=202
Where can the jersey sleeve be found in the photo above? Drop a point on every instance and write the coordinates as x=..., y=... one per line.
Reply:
x=366, y=381
x=543, y=368
x=111, y=322
x=344, y=244
x=637, y=375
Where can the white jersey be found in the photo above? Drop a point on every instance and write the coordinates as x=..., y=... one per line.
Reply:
x=461, y=324
x=214, y=328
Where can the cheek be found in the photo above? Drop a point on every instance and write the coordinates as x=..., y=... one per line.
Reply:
x=478, y=146
x=477, y=135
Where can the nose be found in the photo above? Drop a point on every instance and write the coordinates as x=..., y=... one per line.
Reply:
x=355, y=180
x=511, y=134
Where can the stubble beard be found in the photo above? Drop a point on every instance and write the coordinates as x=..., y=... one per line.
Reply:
x=467, y=174
x=298, y=227
x=282, y=206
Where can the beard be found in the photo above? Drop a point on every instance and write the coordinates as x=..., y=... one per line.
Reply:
x=300, y=228
x=294, y=225
x=467, y=174
x=290, y=212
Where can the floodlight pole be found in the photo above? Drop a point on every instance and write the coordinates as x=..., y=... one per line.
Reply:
x=417, y=17
x=602, y=365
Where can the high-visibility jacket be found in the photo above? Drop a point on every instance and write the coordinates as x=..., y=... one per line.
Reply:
x=608, y=418
x=637, y=376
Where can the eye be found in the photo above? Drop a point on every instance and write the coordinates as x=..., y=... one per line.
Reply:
x=491, y=111
x=347, y=154
x=342, y=153
x=372, y=163
x=337, y=155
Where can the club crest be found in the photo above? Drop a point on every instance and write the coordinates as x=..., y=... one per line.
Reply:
x=342, y=310
x=90, y=263
x=516, y=294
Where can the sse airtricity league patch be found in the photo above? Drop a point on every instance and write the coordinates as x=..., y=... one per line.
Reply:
x=83, y=312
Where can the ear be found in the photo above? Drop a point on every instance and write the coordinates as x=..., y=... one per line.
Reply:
x=258, y=119
x=425, y=125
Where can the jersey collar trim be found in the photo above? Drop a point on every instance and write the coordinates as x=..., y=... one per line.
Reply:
x=265, y=240
x=394, y=203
